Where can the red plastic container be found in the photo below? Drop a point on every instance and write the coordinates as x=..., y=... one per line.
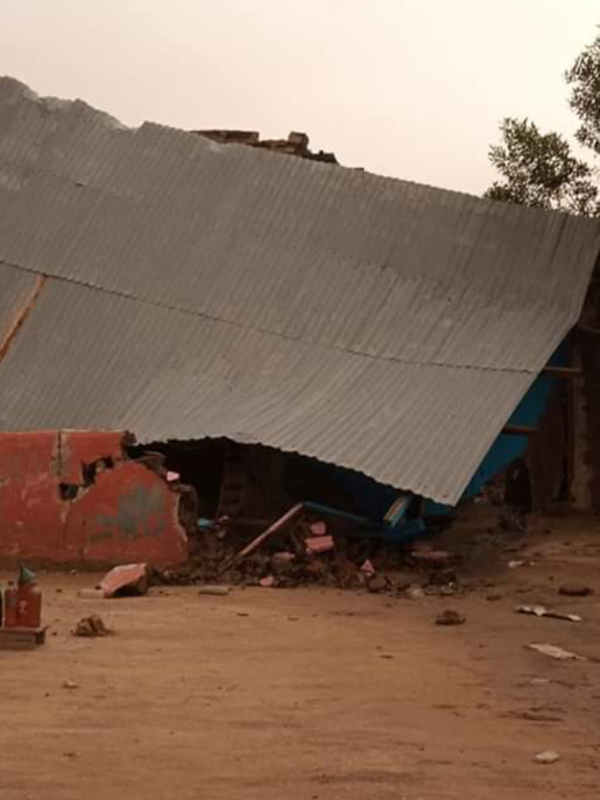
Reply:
x=11, y=606
x=29, y=605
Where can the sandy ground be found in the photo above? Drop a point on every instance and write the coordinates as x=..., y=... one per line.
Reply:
x=310, y=693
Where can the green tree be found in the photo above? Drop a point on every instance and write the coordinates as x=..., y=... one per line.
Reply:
x=584, y=81
x=540, y=169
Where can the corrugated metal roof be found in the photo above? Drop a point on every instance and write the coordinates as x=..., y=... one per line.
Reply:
x=214, y=290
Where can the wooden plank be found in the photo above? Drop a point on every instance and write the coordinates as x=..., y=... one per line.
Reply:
x=397, y=510
x=273, y=529
x=587, y=330
x=17, y=640
x=21, y=638
x=562, y=372
x=519, y=430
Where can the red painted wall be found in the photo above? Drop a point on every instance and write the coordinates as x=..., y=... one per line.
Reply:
x=126, y=513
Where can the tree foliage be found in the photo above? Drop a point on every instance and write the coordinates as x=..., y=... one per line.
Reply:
x=584, y=80
x=540, y=169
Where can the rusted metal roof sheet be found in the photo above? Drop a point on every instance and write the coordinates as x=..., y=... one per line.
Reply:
x=16, y=289
x=198, y=289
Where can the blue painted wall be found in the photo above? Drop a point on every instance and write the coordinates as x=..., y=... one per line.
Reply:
x=508, y=448
x=370, y=497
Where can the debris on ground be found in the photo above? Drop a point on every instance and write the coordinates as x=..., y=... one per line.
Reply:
x=547, y=757
x=319, y=544
x=555, y=652
x=367, y=568
x=318, y=528
x=533, y=716
x=91, y=594
x=426, y=554
x=512, y=521
x=448, y=590
x=218, y=591
x=280, y=525
x=376, y=583
x=68, y=684
x=284, y=557
x=575, y=590
x=92, y=626
x=450, y=617
x=442, y=577
x=292, y=551
x=285, y=545
x=128, y=579
x=542, y=611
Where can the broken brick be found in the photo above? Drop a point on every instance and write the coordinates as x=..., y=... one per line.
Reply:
x=320, y=544
x=450, y=617
x=129, y=578
x=377, y=583
x=575, y=590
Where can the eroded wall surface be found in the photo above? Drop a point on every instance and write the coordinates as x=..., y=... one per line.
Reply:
x=71, y=497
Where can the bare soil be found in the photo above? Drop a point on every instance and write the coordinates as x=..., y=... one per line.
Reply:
x=306, y=694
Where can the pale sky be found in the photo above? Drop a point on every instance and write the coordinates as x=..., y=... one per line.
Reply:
x=409, y=88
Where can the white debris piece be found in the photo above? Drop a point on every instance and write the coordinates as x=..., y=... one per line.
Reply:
x=542, y=611
x=555, y=652
x=547, y=757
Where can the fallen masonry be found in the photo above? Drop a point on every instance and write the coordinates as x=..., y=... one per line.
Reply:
x=211, y=511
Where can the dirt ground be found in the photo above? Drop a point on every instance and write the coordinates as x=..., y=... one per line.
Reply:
x=306, y=694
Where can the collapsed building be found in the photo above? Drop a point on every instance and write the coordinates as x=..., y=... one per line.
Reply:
x=272, y=331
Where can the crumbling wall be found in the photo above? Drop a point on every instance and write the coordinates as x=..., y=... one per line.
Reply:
x=585, y=487
x=296, y=144
x=74, y=497
x=586, y=425
x=30, y=504
x=548, y=455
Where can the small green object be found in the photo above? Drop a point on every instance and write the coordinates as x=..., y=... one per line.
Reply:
x=26, y=575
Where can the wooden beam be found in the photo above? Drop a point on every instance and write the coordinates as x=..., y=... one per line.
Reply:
x=276, y=527
x=562, y=372
x=21, y=316
x=587, y=330
x=520, y=430
x=397, y=510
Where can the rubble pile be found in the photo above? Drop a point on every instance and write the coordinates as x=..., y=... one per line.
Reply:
x=92, y=627
x=312, y=551
x=296, y=144
x=305, y=553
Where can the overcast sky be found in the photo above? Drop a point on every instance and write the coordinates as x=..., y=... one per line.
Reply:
x=410, y=88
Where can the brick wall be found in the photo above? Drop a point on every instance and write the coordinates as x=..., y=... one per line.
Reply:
x=75, y=498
